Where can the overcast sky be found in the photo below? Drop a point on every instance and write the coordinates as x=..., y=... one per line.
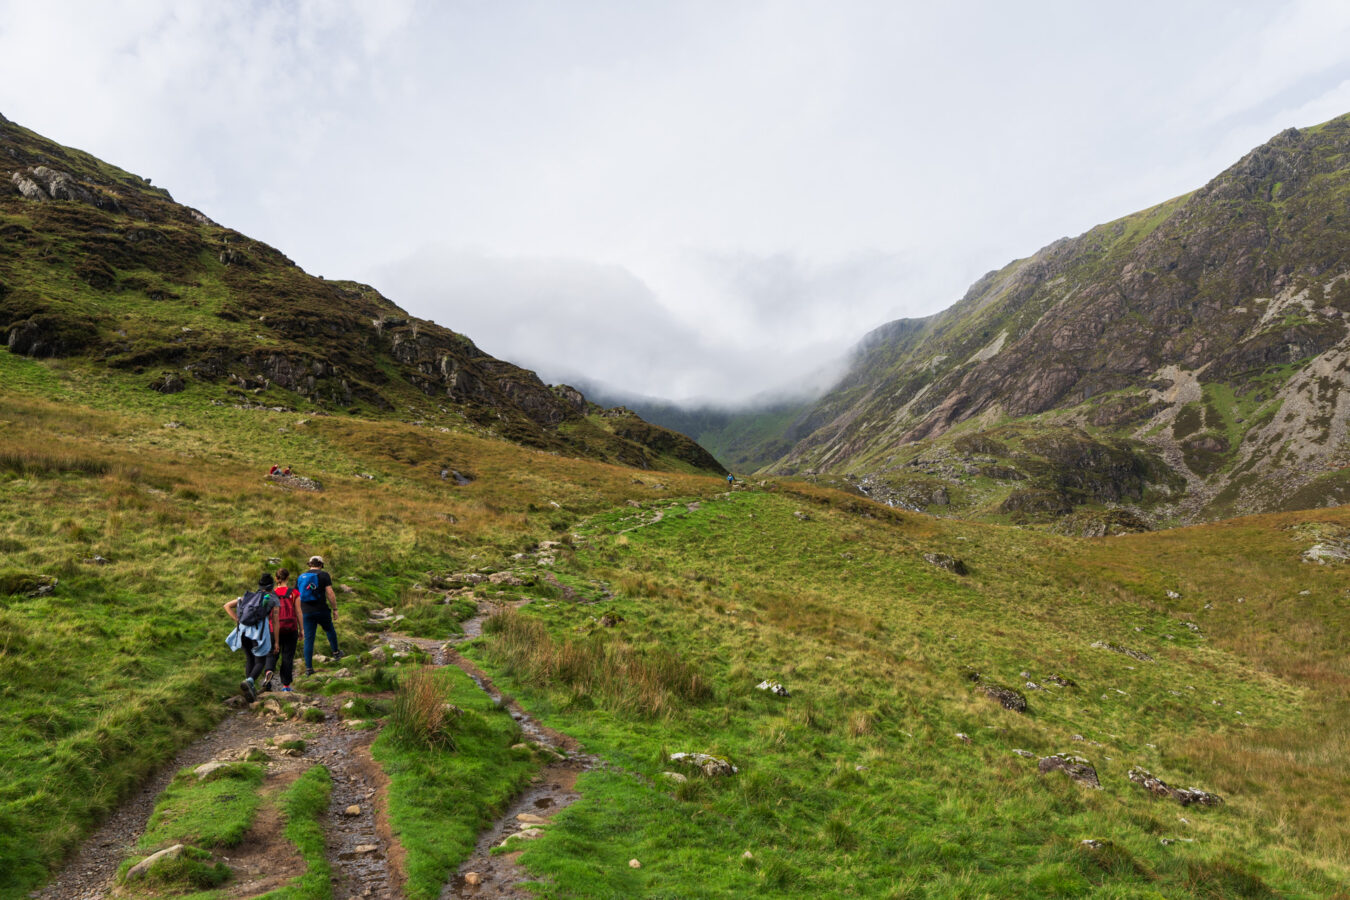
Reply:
x=683, y=199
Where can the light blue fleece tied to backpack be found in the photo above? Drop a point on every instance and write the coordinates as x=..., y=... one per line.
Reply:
x=260, y=634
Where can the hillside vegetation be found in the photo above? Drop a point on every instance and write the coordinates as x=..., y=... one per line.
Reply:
x=1206, y=337
x=887, y=772
x=100, y=268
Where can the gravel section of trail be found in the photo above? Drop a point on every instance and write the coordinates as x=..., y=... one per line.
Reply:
x=360, y=848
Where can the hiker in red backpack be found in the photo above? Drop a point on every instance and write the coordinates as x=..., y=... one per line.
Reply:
x=285, y=632
x=252, y=614
x=318, y=605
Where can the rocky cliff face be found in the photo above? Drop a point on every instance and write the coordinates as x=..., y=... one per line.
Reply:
x=98, y=264
x=1207, y=334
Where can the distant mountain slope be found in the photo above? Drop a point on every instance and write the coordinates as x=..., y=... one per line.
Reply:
x=743, y=439
x=1205, y=337
x=97, y=265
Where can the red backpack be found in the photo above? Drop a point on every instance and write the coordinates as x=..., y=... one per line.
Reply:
x=288, y=618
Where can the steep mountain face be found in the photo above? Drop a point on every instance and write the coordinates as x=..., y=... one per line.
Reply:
x=99, y=266
x=1205, y=338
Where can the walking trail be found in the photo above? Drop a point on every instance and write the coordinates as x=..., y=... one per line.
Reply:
x=366, y=860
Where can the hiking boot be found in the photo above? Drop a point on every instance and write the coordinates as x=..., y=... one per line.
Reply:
x=267, y=683
x=286, y=688
x=309, y=670
x=338, y=654
x=247, y=689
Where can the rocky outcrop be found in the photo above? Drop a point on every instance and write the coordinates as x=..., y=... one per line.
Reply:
x=1184, y=796
x=1075, y=767
x=1242, y=288
x=229, y=309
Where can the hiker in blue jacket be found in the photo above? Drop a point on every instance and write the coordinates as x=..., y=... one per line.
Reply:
x=253, y=626
x=318, y=606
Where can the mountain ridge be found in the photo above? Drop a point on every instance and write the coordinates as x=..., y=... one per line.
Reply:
x=1132, y=330
x=101, y=266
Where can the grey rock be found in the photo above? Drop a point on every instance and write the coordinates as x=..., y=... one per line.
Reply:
x=1076, y=767
x=1006, y=696
x=1192, y=796
x=945, y=561
x=141, y=868
x=711, y=766
x=1126, y=651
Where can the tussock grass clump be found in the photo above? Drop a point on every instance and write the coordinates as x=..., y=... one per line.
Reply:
x=422, y=715
x=606, y=669
x=28, y=461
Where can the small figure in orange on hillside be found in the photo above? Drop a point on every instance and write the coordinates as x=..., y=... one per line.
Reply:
x=286, y=471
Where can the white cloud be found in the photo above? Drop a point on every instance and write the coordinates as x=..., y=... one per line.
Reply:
x=698, y=198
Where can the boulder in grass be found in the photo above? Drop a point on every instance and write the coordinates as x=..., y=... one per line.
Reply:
x=144, y=866
x=711, y=766
x=1124, y=651
x=1159, y=788
x=1076, y=767
x=206, y=769
x=945, y=561
x=1006, y=697
x=773, y=687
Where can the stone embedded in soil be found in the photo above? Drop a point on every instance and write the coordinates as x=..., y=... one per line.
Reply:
x=473, y=879
x=366, y=848
x=1126, y=651
x=352, y=810
x=525, y=834
x=634, y=864
x=1006, y=697
x=712, y=766
x=207, y=768
x=1076, y=767
x=1185, y=796
x=945, y=561
x=144, y=866
x=675, y=777
x=531, y=819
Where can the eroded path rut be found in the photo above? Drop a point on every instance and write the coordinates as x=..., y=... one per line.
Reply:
x=498, y=877
x=365, y=858
x=265, y=859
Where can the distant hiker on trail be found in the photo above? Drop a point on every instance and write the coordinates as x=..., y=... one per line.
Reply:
x=285, y=632
x=318, y=605
x=286, y=471
x=274, y=470
x=731, y=480
x=252, y=614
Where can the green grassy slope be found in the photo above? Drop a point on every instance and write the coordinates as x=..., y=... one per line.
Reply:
x=858, y=784
x=123, y=661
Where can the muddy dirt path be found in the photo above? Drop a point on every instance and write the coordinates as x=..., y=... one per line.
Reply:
x=499, y=877
x=265, y=859
x=366, y=860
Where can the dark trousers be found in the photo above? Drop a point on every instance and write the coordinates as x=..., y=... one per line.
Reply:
x=283, y=647
x=314, y=618
x=254, y=666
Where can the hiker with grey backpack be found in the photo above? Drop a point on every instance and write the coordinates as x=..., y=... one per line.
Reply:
x=254, y=614
x=318, y=606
